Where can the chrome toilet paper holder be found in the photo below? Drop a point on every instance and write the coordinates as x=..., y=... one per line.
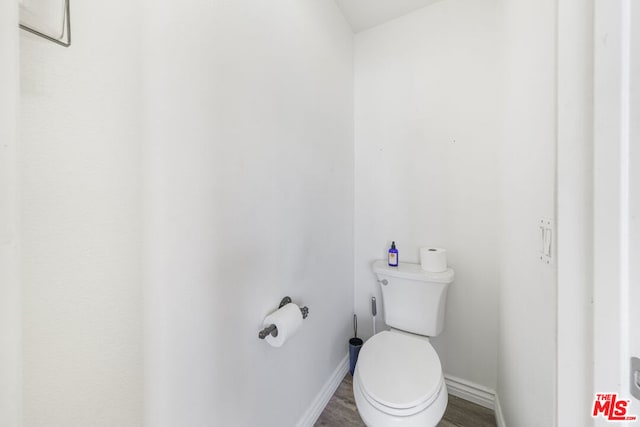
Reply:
x=273, y=329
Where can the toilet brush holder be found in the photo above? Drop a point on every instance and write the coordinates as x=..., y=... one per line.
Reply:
x=355, y=344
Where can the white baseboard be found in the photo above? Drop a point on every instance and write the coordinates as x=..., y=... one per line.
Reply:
x=472, y=392
x=312, y=414
x=499, y=416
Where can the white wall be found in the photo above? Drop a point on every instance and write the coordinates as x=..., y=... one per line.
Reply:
x=527, y=339
x=428, y=138
x=10, y=354
x=249, y=185
x=80, y=161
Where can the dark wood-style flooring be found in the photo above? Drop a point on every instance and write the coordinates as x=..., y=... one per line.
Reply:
x=341, y=411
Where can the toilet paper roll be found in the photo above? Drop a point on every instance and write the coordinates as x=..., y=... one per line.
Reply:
x=287, y=319
x=433, y=260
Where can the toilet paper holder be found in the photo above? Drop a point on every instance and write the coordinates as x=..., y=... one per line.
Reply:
x=272, y=329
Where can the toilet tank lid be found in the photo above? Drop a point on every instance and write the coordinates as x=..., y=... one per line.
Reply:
x=406, y=270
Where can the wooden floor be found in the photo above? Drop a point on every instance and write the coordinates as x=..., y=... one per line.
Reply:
x=341, y=411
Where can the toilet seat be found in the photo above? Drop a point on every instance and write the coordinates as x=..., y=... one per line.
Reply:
x=398, y=374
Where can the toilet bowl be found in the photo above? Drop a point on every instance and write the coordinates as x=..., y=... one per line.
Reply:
x=398, y=381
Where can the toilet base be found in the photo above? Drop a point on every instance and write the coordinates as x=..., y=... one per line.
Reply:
x=373, y=417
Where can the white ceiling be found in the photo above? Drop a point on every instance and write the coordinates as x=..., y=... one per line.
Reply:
x=364, y=14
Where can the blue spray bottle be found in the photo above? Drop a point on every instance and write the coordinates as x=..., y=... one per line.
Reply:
x=393, y=255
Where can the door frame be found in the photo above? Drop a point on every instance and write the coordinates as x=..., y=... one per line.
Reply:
x=611, y=266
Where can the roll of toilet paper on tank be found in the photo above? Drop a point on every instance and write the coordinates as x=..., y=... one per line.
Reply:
x=287, y=319
x=433, y=260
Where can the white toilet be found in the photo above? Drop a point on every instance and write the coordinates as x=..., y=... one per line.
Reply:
x=398, y=379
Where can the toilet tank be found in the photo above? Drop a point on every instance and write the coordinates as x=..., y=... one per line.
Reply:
x=413, y=299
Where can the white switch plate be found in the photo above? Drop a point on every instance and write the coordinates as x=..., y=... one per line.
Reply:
x=547, y=234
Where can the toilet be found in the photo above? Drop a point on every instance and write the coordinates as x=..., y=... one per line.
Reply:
x=398, y=380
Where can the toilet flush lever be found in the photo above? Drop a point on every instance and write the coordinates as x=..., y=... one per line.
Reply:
x=385, y=282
